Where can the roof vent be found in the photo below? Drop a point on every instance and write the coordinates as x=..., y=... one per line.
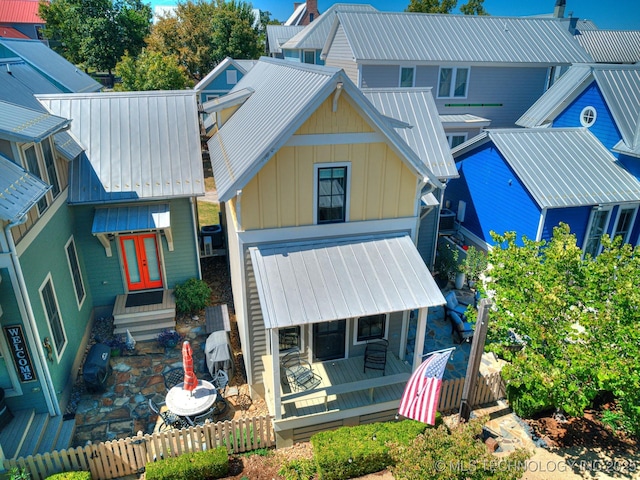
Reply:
x=506, y=28
x=9, y=69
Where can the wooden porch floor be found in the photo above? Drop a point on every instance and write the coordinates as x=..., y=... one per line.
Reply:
x=344, y=386
x=120, y=308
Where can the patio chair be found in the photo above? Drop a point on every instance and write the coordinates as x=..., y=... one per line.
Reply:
x=173, y=377
x=213, y=414
x=454, y=305
x=460, y=327
x=375, y=355
x=298, y=372
x=169, y=419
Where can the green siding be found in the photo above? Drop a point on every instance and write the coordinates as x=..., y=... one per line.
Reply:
x=47, y=255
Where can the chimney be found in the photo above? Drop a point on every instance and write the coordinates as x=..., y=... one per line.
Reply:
x=558, y=11
x=312, y=12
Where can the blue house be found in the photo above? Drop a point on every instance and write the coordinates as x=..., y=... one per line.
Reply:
x=222, y=79
x=530, y=180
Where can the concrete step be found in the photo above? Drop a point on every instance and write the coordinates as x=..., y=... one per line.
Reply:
x=13, y=435
x=34, y=435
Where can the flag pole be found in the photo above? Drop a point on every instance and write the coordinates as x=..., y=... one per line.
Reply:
x=439, y=351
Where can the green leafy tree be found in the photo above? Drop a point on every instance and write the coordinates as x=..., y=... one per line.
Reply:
x=96, y=33
x=151, y=71
x=474, y=7
x=578, y=317
x=201, y=34
x=431, y=6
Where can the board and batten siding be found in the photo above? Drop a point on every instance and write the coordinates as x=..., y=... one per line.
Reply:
x=256, y=328
x=341, y=56
x=495, y=197
x=426, y=244
x=381, y=185
x=576, y=217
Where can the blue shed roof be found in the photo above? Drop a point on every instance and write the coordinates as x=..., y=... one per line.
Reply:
x=19, y=190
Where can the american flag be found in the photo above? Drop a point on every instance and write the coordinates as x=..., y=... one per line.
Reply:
x=422, y=393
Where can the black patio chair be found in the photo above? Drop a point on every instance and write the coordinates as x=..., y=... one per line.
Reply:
x=375, y=355
x=297, y=372
x=213, y=414
x=169, y=419
x=173, y=377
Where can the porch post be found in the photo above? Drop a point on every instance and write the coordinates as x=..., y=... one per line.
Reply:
x=420, y=334
x=275, y=368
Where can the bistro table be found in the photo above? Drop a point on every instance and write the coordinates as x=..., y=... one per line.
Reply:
x=189, y=404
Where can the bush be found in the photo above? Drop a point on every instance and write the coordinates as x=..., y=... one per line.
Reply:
x=192, y=295
x=302, y=469
x=70, y=476
x=194, y=466
x=458, y=453
x=350, y=452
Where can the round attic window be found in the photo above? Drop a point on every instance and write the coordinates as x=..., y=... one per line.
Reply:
x=588, y=116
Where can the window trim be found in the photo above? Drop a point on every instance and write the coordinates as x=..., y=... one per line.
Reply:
x=454, y=77
x=413, y=77
x=347, y=201
x=302, y=345
x=55, y=167
x=304, y=53
x=450, y=136
x=587, y=109
x=41, y=174
x=79, y=301
x=49, y=280
x=355, y=322
x=232, y=77
x=587, y=235
x=633, y=207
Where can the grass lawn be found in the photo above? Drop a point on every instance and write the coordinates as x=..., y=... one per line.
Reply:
x=208, y=213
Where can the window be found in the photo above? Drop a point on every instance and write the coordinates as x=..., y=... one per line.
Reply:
x=626, y=216
x=588, y=116
x=289, y=338
x=50, y=167
x=453, y=82
x=455, y=140
x=311, y=17
x=52, y=312
x=407, y=76
x=309, y=56
x=597, y=226
x=371, y=327
x=232, y=77
x=34, y=167
x=76, y=275
x=331, y=194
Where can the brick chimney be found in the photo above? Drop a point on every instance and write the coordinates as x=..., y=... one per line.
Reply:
x=312, y=12
x=558, y=11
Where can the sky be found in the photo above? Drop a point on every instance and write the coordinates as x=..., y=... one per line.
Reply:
x=607, y=14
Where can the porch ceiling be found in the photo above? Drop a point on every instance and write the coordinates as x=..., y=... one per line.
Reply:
x=320, y=281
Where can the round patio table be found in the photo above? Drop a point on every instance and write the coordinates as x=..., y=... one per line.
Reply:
x=189, y=404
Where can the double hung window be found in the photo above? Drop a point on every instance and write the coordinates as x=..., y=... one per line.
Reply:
x=453, y=82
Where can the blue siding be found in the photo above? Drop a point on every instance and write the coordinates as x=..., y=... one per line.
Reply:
x=219, y=85
x=292, y=55
x=577, y=218
x=604, y=128
x=496, y=199
x=632, y=164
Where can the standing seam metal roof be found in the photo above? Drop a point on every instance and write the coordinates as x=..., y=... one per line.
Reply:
x=426, y=136
x=611, y=46
x=19, y=190
x=565, y=167
x=278, y=35
x=138, y=145
x=21, y=124
x=227, y=62
x=428, y=38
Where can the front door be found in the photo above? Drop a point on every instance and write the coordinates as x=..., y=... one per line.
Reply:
x=328, y=340
x=141, y=261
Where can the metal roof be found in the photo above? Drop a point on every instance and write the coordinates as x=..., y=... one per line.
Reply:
x=131, y=218
x=138, y=145
x=611, y=46
x=9, y=32
x=52, y=65
x=20, y=11
x=243, y=145
x=426, y=136
x=311, y=282
x=565, y=167
x=463, y=120
x=19, y=81
x=221, y=67
x=314, y=35
x=19, y=190
x=66, y=145
x=278, y=35
x=22, y=124
x=437, y=39
x=298, y=13
x=246, y=64
x=231, y=99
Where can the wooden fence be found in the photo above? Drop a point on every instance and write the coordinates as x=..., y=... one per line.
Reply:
x=129, y=456
x=489, y=389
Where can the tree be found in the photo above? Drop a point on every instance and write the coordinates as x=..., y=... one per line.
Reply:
x=151, y=71
x=578, y=318
x=202, y=34
x=96, y=33
x=431, y=6
x=474, y=7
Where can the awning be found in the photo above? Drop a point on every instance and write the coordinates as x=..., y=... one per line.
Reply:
x=312, y=282
x=132, y=218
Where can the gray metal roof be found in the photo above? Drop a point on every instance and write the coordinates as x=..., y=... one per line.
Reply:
x=19, y=190
x=66, y=145
x=246, y=64
x=285, y=95
x=438, y=39
x=611, y=46
x=620, y=87
x=320, y=281
x=231, y=99
x=221, y=67
x=42, y=58
x=131, y=218
x=565, y=167
x=278, y=35
x=19, y=81
x=314, y=35
x=138, y=145
x=464, y=120
x=426, y=136
x=22, y=124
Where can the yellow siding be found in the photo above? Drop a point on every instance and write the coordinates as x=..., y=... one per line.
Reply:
x=381, y=186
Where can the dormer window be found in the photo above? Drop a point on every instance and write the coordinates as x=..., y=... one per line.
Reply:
x=453, y=82
x=331, y=196
x=588, y=116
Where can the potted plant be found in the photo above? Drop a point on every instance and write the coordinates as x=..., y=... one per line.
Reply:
x=446, y=264
x=474, y=265
x=117, y=345
x=169, y=339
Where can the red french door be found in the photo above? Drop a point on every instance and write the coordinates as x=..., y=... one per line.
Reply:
x=141, y=261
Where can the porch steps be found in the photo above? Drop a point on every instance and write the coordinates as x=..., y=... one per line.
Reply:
x=144, y=322
x=145, y=330
x=30, y=433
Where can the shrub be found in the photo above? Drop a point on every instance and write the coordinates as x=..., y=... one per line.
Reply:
x=70, y=476
x=301, y=469
x=350, y=452
x=192, y=295
x=198, y=465
x=458, y=453
x=19, y=474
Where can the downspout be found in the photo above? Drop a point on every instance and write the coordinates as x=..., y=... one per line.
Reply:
x=194, y=218
x=32, y=332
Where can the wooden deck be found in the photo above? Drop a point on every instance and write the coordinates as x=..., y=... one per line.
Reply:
x=144, y=322
x=168, y=303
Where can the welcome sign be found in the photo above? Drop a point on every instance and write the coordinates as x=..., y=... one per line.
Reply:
x=20, y=353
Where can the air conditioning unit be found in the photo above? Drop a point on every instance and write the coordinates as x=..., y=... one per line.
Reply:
x=447, y=220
